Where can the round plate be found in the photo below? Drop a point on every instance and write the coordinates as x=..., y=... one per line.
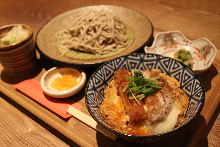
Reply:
x=139, y=23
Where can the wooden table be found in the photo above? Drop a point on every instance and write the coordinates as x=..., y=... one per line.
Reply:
x=195, y=19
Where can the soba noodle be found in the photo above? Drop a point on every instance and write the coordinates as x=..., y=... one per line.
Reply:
x=95, y=32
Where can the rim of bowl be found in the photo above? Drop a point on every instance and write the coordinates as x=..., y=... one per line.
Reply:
x=24, y=40
x=62, y=94
x=150, y=136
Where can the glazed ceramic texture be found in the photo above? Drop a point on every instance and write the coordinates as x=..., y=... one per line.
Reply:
x=20, y=58
x=56, y=72
x=189, y=83
x=168, y=43
x=135, y=20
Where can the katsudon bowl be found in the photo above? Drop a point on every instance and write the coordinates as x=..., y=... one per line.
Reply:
x=188, y=80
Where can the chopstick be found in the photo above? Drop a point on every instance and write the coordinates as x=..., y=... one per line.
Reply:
x=88, y=120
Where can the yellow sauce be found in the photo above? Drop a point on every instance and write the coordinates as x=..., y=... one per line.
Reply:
x=66, y=81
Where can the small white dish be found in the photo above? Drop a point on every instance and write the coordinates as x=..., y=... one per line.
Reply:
x=55, y=72
x=168, y=43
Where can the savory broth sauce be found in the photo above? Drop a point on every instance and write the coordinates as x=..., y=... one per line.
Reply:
x=143, y=103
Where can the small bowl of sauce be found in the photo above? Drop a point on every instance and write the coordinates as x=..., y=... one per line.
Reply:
x=62, y=82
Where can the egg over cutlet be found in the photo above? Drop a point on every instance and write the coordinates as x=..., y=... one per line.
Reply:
x=157, y=113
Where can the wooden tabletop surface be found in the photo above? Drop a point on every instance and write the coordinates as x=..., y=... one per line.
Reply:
x=195, y=19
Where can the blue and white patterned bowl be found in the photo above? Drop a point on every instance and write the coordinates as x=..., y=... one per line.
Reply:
x=189, y=83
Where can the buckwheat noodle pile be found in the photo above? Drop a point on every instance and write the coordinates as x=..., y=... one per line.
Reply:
x=95, y=32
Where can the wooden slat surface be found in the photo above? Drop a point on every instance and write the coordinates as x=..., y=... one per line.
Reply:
x=195, y=19
x=19, y=130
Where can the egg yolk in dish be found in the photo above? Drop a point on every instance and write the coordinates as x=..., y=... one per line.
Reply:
x=66, y=81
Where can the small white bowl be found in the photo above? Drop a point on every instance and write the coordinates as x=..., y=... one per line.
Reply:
x=56, y=72
x=168, y=43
